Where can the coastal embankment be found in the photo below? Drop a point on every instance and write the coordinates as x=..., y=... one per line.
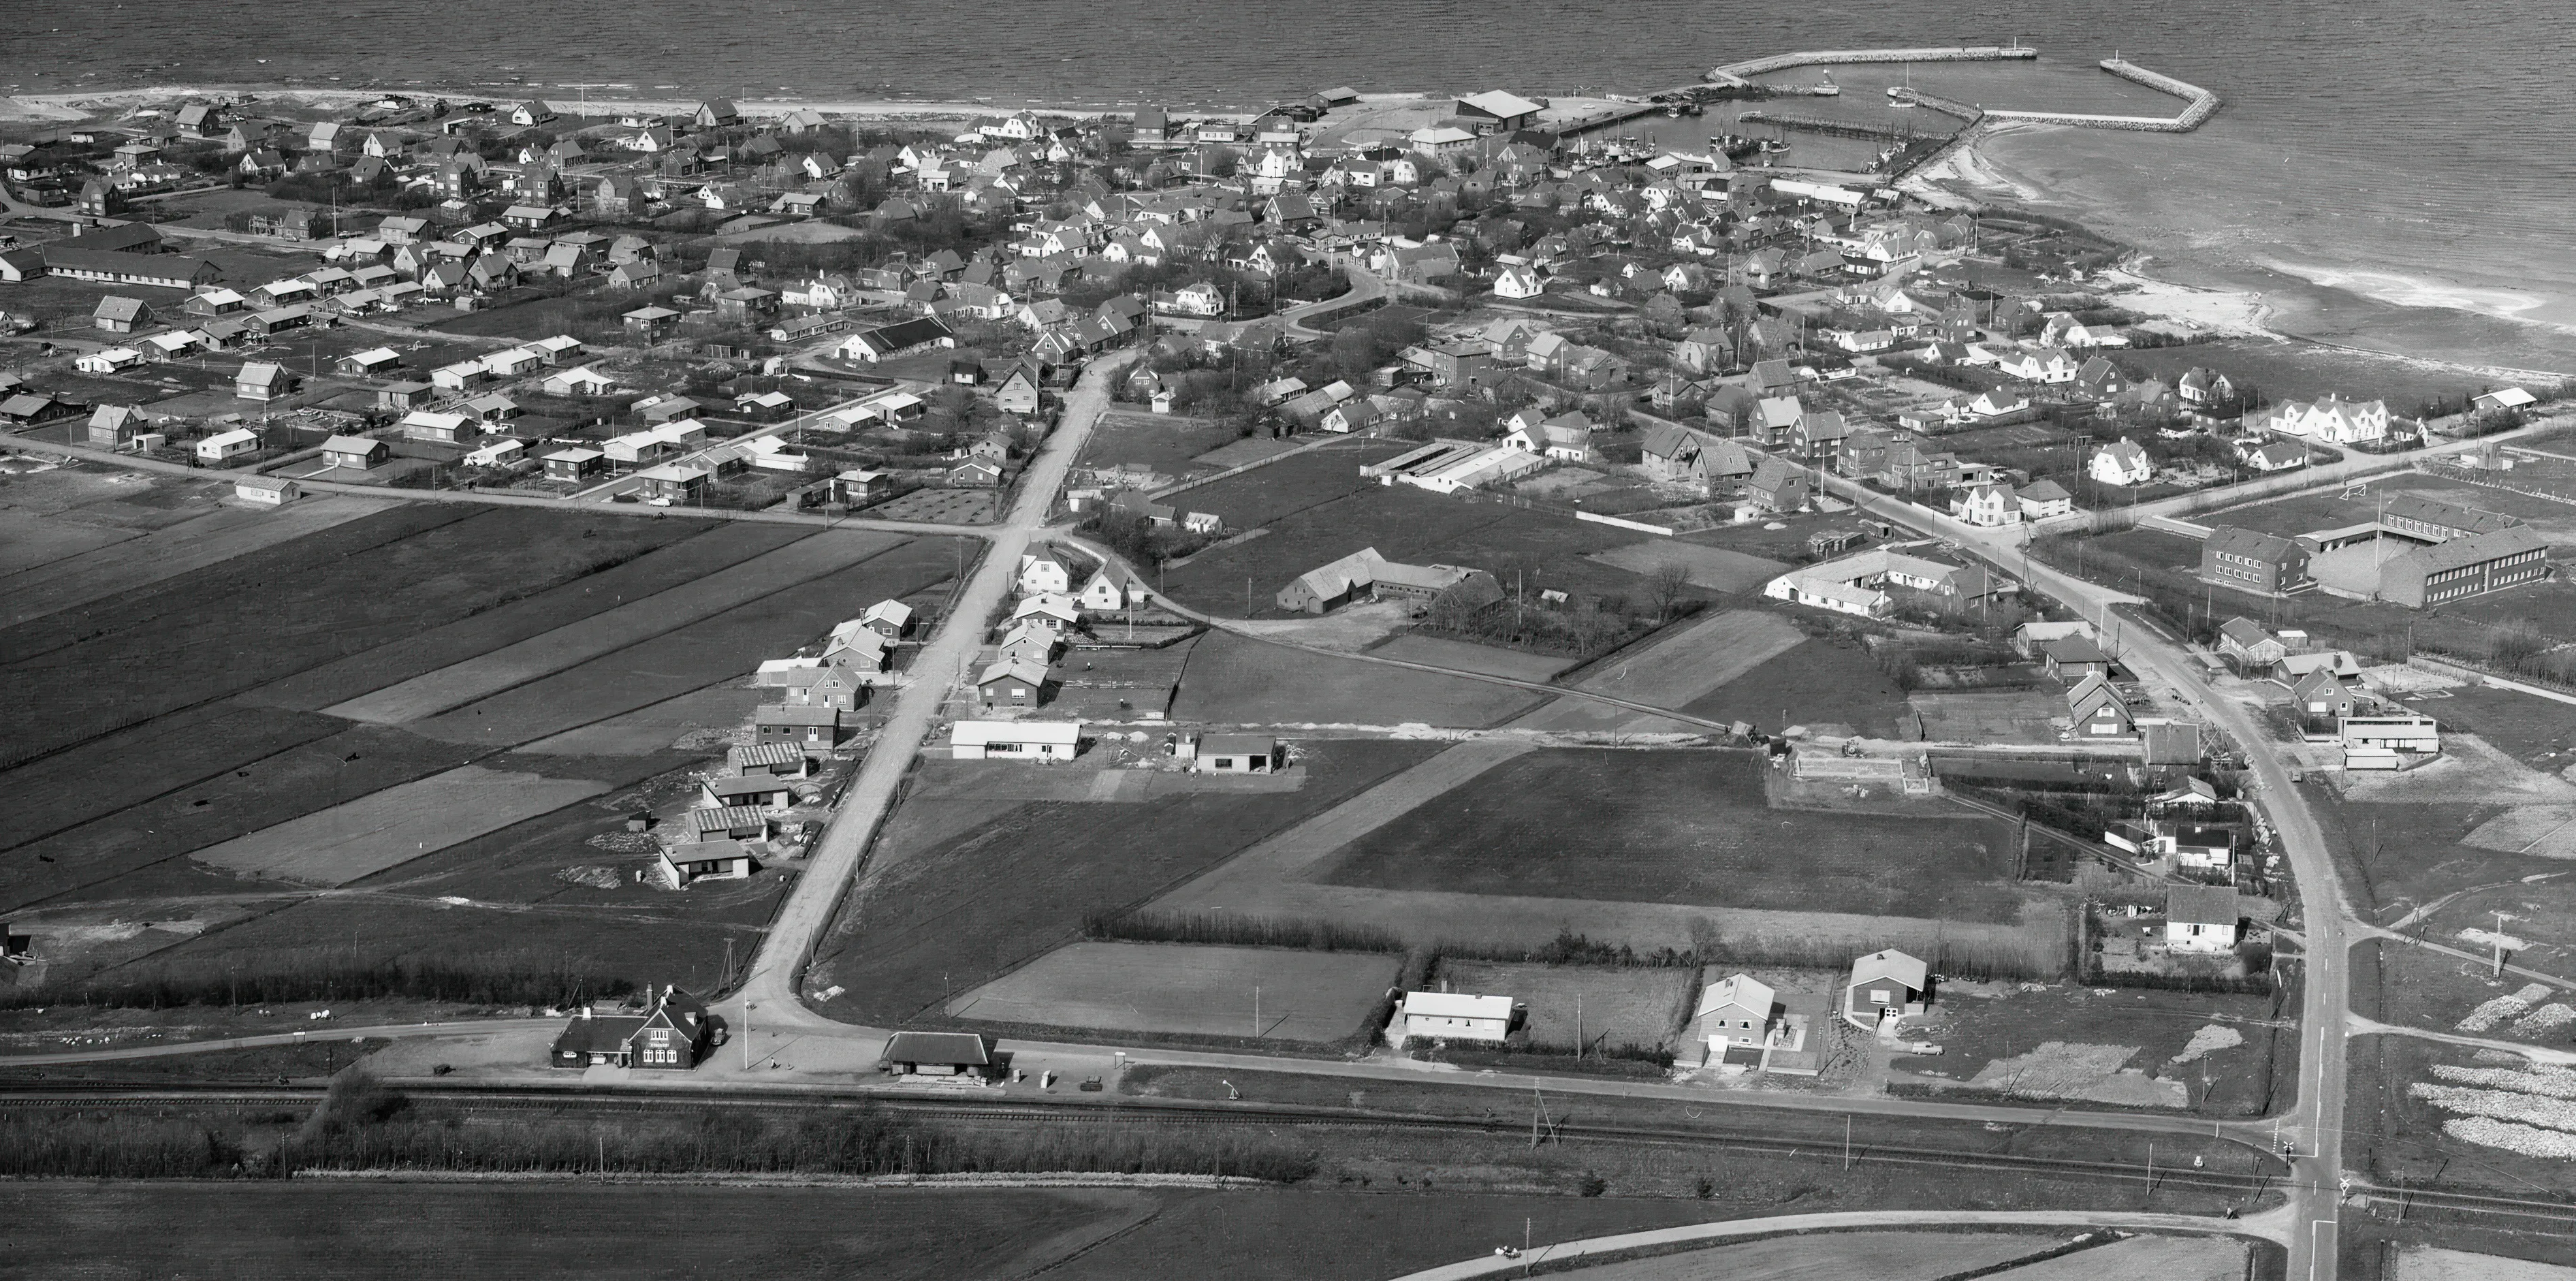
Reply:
x=2199, y=105
x=1742, y=72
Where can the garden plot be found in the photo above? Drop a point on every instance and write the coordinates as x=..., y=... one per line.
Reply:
x=1715, y=568
x=617, y=628
x=391, y=827
x=1270, y=993
x=2129, y=1047
x=942, y=507
x=1608, y=1007
x=2018, y=716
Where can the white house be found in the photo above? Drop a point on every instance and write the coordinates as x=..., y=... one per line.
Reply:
x=1988, y=506
x=1105, y=593
x=1047, y=741
x=1051, y=610
x=2122, y=462
x=1825, y=593
x=226, y=444
x=107, y=361
x=1454, y=1016
x=2042, y=499
x=1043, y=572
x=2201, y=918
x=266, y=491
x=1518, y=282
x=1567, y=438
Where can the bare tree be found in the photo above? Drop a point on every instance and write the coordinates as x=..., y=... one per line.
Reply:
x=1666, y=590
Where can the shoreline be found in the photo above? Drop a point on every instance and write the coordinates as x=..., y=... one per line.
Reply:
x=2418, y=321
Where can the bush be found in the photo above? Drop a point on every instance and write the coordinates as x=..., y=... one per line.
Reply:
x=1165, y=925
x=341, y=974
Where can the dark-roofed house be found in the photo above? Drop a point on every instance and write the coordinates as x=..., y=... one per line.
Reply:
x=2096, y=710
x=2252, y=561
x=2201, y=918
x=355, y=452
x=673, y=1034
x=804, y=726
x=966, y=1057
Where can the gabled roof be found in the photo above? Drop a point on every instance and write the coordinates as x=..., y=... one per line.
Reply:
x=1891, y=964
x=2202, y=905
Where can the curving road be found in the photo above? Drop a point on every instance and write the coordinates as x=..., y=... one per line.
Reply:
x=2315, y=1126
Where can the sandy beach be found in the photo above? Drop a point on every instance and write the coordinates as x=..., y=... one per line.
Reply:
x=82, y=106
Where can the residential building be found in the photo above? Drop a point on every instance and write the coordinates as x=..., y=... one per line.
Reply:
x=673, y=1034
x=1454, y=1016
x=2201, y=919
x=2122, y=462
x=1883, y=985
x=1043, y=741
x=2096, y=710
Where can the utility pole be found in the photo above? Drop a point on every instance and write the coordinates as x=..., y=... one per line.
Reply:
x=2498, y=972
x=1847, y=1131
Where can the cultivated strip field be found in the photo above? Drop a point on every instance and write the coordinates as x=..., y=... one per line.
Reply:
x=1271, y=993
x=2146, y=1258
x=167, y=553
x=718, y=546
x=29, y=539
x=1235, y=680
x=391, y=827
x=712, y=650
x=716, y=715
x=98, y=777
x=635, y=621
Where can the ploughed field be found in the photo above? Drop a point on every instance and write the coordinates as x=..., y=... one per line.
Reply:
x=326, y=708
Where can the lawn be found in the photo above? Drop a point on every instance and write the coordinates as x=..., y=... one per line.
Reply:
x=1270, y=994
x=79, y=673
x=1609, y=1008
x=1265, y=494
x=2248, y=1044
x=1818, y=683
x=1170, y=445
x=1235, y=680
x=716, y=549
x=920, y=930
x=703, y=653
x=1682, y=827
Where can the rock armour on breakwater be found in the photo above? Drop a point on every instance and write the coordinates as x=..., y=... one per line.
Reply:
x=1849, y=57
x=2201, y=104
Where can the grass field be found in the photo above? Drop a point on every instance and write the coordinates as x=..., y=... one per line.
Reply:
x=1170, y=445
x=2328, y=509
x=2537, y=731
x=1439, y=651
x=633, y=622
x=80, y=673
x=1674, y=670
x=1608, y=1007
x=385, y=829
x=920, y=929
x=1715, y=568
x=1815, y=684
x=2304, y=371
x=703, y=653
x=1849, y=1256
x=1680, y=827
x=371, y=1228
x=28, y=540
x=138, y=850
x=1234, y=680
x=717, y=548
x=1263, y=495
x=2407, y=1136
x=1267, y=993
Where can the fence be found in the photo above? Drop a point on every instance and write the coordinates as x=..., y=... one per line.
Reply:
x=1639, y=526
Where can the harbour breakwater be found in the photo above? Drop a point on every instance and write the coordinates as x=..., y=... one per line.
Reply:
x=1904, y=93
x=1739, y=72
x=2199, y=105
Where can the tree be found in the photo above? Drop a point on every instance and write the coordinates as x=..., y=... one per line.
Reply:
x=1665, y=589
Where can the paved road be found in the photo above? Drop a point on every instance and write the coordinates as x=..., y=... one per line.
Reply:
x=769, y=995
x=2315, y=1126
x=2270, y=1226
x=1365, y=286
x=2354, y=465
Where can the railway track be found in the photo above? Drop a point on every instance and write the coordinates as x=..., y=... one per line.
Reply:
x=1292, y=1118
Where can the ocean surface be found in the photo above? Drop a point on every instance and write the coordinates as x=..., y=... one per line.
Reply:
x=2376, y=158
